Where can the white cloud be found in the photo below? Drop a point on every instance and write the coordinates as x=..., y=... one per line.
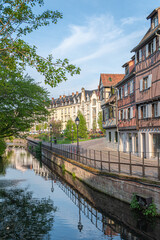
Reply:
x=130, y=20
x=98, y=45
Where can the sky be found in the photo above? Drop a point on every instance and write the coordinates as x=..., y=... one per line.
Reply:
x=95, y=35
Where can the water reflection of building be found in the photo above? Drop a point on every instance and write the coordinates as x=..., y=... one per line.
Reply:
x=19, y=158
x=41, y=170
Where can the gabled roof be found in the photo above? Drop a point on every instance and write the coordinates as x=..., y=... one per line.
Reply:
x=147, y=37
x=126, y=78
x=109, y=80
x=152, y=13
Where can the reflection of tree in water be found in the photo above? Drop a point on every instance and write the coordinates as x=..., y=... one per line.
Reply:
x=4, y=162
x=23, y=217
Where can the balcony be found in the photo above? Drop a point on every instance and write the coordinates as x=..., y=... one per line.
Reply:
x=110, y=123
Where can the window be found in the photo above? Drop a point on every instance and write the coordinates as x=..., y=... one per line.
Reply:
x=125, y=90
x=116, y=137
x=103, y=113
x=155, y=21
x=111, y=112
x=94, y=102
x=119, y=114
x=140, y=55
x=121, y=93
x=146, y=82
x=143, y=112
x=131, y=86
x=122, y=114
x=150, y=48
x=129, y=113
x=109, y=136
x=155, y=110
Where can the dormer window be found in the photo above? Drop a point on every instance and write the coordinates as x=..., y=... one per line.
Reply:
x=127, y=70
x=155, y=21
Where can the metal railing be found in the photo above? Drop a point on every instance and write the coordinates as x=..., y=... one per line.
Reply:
x=110, y=161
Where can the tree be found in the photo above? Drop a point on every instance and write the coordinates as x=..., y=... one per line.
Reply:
x=56, y=127
x=82, y=128
x=68, y=130
x=17, y=20
x=100, y=118
x=23, y=102
x=24, y=217
x=94, y=127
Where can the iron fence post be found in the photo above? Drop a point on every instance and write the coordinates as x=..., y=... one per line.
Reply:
x=119, y=166
x=158, y=167
x=109, y=166
x=130, y=163
x=143, y=170
x=101, y=159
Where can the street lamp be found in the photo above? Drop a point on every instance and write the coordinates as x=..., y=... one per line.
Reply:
x=52, y=188
x=50, y=134
x=77, y=123
x=80, y=226
x=72, y=133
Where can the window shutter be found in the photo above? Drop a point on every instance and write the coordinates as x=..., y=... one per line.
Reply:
x=140, y=55
x=131, y=112
x=123, y=113
x=149, y=80
x=141, y=85
x=147, y=50
x=118, y=94
x=159, y=109
x=154, y=44
x=126, y=113
x=121, y=92
x=135, y=57
x=139, y=112
x=149, y=110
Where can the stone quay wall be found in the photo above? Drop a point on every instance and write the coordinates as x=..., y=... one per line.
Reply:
x=114, y=185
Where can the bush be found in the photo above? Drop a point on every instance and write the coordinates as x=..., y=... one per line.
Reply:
x=149, y=211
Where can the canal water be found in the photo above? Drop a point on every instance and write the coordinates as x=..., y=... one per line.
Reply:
x=41, y=201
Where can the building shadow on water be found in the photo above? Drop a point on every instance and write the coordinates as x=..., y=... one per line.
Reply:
x=109, y=215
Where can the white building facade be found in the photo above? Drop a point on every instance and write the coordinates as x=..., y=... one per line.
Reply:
x=67, y=107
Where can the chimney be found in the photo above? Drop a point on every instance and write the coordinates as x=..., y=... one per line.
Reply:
x=64, y=96
x=76, y=93
x=72, y=94
x=60, y=96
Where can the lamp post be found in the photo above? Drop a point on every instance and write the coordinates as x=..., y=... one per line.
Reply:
x=80, y=226
x=77, y=123
x=72, y=133
x=52, y=188
x=50, y=134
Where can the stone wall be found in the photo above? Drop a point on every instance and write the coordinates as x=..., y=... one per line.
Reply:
x=112, y=185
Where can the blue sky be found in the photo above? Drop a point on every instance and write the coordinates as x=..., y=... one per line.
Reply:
x=96, y=35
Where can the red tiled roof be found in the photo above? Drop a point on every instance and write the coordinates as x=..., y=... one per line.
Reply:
x=109, y=80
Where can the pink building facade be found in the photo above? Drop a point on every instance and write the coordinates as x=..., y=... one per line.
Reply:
x=147, y=87
x=127, y=112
